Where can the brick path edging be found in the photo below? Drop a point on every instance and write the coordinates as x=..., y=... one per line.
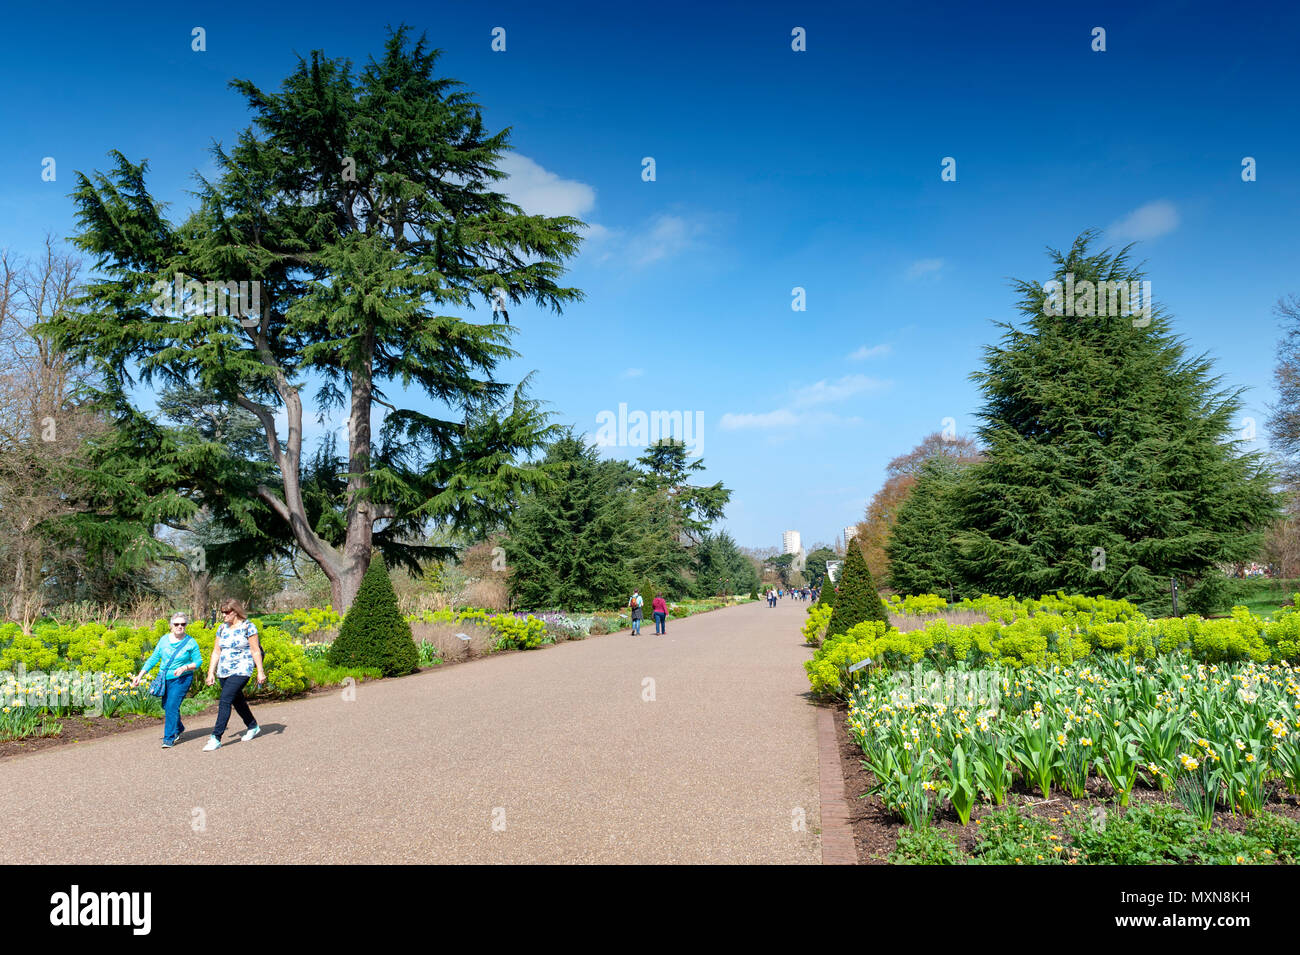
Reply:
x=837, y=834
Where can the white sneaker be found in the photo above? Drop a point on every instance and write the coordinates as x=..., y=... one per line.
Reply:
x=251, y=733
x=213, y=743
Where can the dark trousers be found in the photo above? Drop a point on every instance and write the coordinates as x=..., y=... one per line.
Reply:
x=232, y=694
x=661, y=625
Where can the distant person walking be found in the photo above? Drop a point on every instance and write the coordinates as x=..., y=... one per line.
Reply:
x=660, y=608
x=178, y=658
x=636, y=604
x=235, y=652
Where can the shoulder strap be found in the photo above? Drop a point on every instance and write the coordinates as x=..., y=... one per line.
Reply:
x=175, y=653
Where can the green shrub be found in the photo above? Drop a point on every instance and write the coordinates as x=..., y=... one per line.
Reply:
x=814, y=628
x=516, y=633
x=374, y=632
x=925, y=846
x=283, y=661
x=32, y=652
x=828, y=669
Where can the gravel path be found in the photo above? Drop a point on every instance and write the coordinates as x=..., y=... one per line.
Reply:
x=553, y=755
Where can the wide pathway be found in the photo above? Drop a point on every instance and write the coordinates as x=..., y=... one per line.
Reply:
x=695, y=747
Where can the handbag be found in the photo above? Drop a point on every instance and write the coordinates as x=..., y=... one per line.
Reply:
x=159, y=684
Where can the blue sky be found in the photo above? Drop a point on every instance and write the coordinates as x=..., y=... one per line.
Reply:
x=775, y=169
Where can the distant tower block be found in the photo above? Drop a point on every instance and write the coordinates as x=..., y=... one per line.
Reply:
x=850, y=532
x=790, y=543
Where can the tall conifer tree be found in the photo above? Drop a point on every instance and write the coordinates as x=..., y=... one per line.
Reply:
x=569, y=544
x=1114, y=459
x=332, y=249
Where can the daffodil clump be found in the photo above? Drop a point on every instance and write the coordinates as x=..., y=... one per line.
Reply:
x=29, y=702
x=1235, y=727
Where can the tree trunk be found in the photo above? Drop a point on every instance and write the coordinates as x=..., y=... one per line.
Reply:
x=200, y=594
x=360, y=510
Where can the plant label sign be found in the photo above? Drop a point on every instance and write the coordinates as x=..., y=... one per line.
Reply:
x=859, y=665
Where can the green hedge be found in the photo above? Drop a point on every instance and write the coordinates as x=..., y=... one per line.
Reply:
x=1056, y=629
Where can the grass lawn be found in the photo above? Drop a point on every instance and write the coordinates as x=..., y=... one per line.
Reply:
x=1263, y=596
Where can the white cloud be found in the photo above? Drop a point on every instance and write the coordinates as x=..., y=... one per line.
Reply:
x=668, y=235
x=869, y=351
x=825, y=392
x=796, y=415
x=923, y=267
x=792, y=423
x=634, y=373
x=781, y=418
x=1146, y=222
x=541, y=192
x=659, y=238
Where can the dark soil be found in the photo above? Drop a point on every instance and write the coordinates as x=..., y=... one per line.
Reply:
x=875, y=831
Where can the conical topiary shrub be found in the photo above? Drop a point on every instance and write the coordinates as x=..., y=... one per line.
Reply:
x=857, y=599
x=827, y=597
x=374, y=632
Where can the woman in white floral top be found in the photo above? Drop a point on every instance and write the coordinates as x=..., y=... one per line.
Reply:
x=235, y=652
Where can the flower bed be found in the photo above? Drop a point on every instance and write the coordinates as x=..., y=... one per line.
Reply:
x=1216, y=740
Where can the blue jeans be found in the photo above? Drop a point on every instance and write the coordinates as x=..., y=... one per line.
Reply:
x=661, y=622
x=174, y=691
x=636, y=626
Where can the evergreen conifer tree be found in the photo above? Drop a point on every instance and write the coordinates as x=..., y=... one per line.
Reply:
x=1114, y=461
x=374, y=632
x=569, y=545
x=920, y=546
x=332, y=248
x=858, y=599
x=720, y=566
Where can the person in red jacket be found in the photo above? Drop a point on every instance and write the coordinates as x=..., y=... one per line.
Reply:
x=660, y=607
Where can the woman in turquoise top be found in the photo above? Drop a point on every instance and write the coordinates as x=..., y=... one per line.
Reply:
x=180, y=656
